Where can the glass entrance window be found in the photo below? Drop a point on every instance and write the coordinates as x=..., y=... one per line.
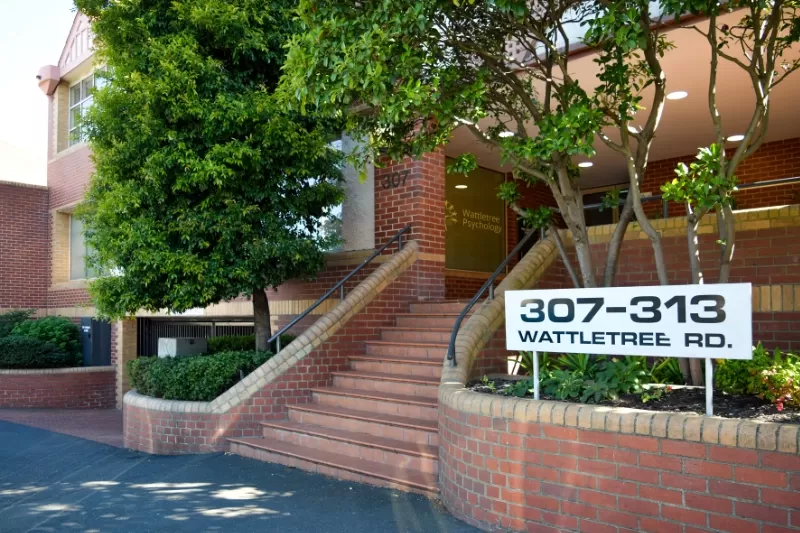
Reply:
x=475, y=221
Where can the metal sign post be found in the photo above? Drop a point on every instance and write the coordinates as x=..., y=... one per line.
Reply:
x=709, y=387
x=535, y=375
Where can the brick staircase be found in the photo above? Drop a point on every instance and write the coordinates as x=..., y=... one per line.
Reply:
x=377, y=423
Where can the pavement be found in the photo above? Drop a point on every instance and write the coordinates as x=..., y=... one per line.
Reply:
x=52, y=482
x=101, y=425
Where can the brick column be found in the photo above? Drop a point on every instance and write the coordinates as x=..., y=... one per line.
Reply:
x=124, y=350
x=412, y=192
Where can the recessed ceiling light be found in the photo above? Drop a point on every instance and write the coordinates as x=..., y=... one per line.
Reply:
x=506, y=134
x=461, y=186
x=585, y=164
x=677, y=95
x=735, y=138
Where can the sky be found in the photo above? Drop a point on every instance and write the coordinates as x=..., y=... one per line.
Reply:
x=32, y=35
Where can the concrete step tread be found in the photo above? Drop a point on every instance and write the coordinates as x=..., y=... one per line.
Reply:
x=396, y=359
x=378, y=418
x=378, y=396
x=410, y=343
x=420, y=330
x=429, y=315
x=362, y=439
x=402, y=476
x=381, y=376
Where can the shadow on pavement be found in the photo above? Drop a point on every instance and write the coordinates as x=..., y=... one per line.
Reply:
x=51, y=482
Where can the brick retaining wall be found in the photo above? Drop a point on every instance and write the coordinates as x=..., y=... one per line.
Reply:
x=59, y=388
x=543, y=466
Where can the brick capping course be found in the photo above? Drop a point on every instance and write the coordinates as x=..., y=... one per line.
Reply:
x=217, y=415
x=69, y=370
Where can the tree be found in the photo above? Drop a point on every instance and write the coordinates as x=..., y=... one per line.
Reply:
x=414, y=71
x=205, y=188
x=759, y=45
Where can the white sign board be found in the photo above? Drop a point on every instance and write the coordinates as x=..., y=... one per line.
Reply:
x=707, y=321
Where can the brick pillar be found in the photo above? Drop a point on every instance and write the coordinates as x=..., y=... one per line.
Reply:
x=412, y=192
x=125, y=333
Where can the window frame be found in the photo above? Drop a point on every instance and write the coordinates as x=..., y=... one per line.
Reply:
x=75, y=134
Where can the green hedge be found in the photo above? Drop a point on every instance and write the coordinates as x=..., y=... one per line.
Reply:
x=193, y=378
x=8, y=321
x=241, y=343
x=55, y=329
x=28, y=352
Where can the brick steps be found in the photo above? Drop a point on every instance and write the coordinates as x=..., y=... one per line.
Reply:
x=421, y=350
x=389, y=383
x=397, y=453
x=336, y=465
x=378, y=422
x=397, y=365
x=432, y=335
x=390, y=404
x=420, y=321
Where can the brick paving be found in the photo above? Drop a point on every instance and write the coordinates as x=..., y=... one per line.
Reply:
x=99, y=425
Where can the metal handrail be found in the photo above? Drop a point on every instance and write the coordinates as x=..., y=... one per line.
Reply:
x=664, y=203
x=451, y=349
x=339, y=286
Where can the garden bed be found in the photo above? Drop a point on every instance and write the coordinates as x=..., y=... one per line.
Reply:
x=680, y=399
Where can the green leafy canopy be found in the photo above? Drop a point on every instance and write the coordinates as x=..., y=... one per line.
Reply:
x=206, y=187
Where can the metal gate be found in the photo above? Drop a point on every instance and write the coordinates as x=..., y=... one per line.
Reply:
x=95, y=342
x=150, y=329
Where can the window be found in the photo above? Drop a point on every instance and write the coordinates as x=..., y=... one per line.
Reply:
x=80, y=99
x=601, y=217
x=78, y=252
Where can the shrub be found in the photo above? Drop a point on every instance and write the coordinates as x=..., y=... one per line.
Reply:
x=774, y=377
x=589, y=379
x=30, y=352
x=241, y=343
x=9, y=320
x=193, y=378
x=55, y=329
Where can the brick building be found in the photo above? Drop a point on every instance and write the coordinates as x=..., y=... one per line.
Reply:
x=502, y=468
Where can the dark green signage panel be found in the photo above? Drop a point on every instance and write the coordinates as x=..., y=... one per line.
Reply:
x=475, y=221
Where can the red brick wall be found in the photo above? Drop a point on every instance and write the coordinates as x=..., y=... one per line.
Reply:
x=68, y=175
x=497, y=473
x=762, y=257
x=419, y=202
x=177, y=433
x=68, y=298
x=780, y=159
x=24, y=245
x=68, y=390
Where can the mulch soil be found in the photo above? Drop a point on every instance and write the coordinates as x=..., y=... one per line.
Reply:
x=682, y=400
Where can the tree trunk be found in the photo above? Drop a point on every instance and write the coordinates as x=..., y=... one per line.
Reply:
x=727, y=230
x=615, y=246
x=261, y=320
x=564, y=257
x=692, y=223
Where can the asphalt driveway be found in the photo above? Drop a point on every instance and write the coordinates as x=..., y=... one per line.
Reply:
x=50, y=482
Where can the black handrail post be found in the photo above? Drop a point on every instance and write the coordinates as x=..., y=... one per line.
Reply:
x=664, y=208
x=400, y=243
x=341, y=293
x=339, y=286
x=451, y=348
